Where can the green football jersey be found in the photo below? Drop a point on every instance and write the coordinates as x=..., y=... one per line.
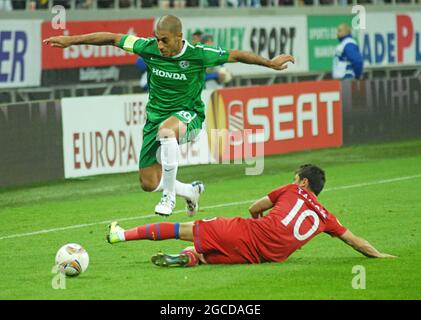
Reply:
x=175, y=83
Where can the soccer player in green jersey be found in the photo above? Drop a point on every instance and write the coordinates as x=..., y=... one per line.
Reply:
x=175, y=112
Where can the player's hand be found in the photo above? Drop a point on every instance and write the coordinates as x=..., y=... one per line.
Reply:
x=280, y=62
x=257, y=215
x=58, y=41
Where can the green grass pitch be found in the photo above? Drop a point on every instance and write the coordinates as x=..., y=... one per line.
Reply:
x=375, y=190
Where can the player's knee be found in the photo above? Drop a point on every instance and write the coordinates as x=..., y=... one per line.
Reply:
x=164, y=132
x=186, y=231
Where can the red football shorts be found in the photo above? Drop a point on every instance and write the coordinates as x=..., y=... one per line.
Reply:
x=224, y=241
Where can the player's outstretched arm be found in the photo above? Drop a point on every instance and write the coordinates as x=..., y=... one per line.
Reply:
x=277, y=63
x=256, y=209
x=362, y=246
x=97, y=38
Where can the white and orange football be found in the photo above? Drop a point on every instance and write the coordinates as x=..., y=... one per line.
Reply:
x=72, y=259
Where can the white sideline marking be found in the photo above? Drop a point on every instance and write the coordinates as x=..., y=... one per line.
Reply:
x=228, y=204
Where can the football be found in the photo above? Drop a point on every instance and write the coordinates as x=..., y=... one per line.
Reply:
x=72, y=259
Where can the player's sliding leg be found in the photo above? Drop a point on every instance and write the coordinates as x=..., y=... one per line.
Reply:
x=153, y=231
x=160, y=231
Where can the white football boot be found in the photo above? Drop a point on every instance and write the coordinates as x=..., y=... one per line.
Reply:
x=165, y=205
x=192, y=205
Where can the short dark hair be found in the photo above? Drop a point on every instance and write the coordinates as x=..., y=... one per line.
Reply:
x=315, y=176
x=198, y=33
x=205, y=38
x=170, y=23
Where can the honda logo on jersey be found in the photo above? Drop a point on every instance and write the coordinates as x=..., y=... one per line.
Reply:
x=169, y=75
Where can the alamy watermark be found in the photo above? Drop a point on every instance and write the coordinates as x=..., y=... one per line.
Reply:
x=59, y=280
x=58, y=22
x=359, y=22
x=359, y=280
x=238, y=147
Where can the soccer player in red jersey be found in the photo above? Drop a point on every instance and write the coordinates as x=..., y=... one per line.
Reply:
x=295, y=218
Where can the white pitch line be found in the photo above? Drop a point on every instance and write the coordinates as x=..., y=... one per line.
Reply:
x=228, y=204
x=375, y=182
x=78, y=226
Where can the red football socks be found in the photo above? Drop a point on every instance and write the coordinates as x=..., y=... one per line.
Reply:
x=156, y=231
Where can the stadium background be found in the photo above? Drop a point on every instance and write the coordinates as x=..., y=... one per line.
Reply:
x=79, y=112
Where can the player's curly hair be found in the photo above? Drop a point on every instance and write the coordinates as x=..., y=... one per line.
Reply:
x=315, y=176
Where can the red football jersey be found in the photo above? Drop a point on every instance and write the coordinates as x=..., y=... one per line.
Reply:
x=295, y=219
